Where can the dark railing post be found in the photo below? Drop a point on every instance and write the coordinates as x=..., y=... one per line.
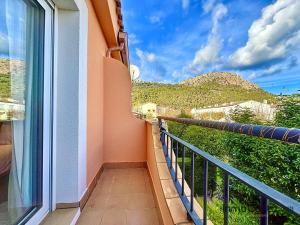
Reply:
x=205, y=184
x=167, y=150
x=171, y=153
x=264, y=211
x=176, y=160
x=183, y=170
x=226, y=198
x=192, y=180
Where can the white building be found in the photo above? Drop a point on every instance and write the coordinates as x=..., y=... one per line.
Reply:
x=149, y=109
x=11, y=111
x=262, y=110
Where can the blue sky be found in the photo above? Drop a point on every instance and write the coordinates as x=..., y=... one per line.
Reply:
x=174, y=40
x=12, y=28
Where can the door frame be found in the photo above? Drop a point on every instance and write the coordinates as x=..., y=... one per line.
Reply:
x=35, y=217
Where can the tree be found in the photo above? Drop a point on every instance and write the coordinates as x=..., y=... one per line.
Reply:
x=242, y=115
x=289, y=112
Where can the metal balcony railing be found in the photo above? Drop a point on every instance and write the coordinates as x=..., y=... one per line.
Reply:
x=171, y=146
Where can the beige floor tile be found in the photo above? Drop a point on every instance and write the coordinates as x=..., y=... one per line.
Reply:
x=97, y=201
x=121, y=188
x=148, y=187
x=142, y=217
x=114, y=217
x=120, y=191
x=60, y=217
x=103, y=188
x=138, y=186
x=121, y=179
x=117, y=201
x=141, y=201
x=90, y=217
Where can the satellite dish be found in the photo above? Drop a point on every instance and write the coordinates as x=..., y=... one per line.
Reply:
x=134, y=72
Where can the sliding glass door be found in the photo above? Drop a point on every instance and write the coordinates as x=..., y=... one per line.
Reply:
x=25, y=83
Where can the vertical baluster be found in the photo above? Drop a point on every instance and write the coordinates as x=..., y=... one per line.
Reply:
x=171, y=153
x=183, y=170
x=226, y=198
x=176, y=160
x=264, y=211
x=205, y=184
x=166, y=152
x=192, y=180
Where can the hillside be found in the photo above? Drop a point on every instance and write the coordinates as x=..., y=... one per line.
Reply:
x=222, y=78
x=199, y=92
x=7, y=67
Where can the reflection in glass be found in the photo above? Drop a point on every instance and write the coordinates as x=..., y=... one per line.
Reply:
x=21, y=104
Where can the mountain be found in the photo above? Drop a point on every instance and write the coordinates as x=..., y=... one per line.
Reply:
x=4, y=66
x=8, y=66
x=222, y=78
x=205, y=90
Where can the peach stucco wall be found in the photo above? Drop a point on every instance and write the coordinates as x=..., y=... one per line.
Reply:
x=124, y=134
x=96, y=50
x=113, y=133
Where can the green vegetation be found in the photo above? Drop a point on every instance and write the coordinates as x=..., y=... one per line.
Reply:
x=238, y=213
x=5, y=85
x=178, y=96
x=275, y=163
x=243, y=115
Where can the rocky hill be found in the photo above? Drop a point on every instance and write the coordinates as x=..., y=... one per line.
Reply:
x=221, y=78
x=202, y=91
x=11, y=65
x=8, y=67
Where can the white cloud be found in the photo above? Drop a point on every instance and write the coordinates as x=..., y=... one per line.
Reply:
x=208, y=5
x=133, y=40
x=145, y=56
x=209, y=53
x=218, y=13
x=185, y=4
x=151, y=66
x=272, y=37
x=276, y=68
x=154, y=19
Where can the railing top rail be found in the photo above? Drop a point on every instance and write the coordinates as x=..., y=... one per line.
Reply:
x=276, y=196
x=290, y=135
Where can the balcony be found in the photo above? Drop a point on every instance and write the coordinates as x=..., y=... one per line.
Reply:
x=134, y=174
x=122, y=196
x=157, y=192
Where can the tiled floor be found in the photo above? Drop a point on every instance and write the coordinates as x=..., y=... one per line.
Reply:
x=121, y=197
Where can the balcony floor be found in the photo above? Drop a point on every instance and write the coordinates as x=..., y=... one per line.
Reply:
x=121, y=197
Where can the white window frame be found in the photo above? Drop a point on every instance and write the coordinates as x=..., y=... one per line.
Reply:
x=51, y=73
x=39, y=215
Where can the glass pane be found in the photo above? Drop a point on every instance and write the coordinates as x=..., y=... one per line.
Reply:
x=21, y=107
